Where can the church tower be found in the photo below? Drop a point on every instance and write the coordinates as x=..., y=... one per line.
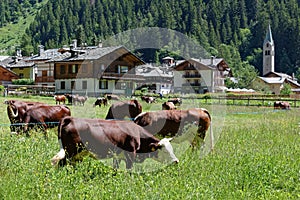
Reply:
x=268, y=53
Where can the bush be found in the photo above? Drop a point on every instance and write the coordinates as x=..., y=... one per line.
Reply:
x=23, y=81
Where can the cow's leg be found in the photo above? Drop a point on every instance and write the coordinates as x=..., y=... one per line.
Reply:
x=60, y=157
x=129, y=159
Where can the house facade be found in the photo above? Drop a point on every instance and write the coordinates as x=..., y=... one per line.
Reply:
x=43, y=70
x=157, y=79
x=97, y=71
x=200, y=75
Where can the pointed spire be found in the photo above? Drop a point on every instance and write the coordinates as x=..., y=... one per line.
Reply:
x=269, y=37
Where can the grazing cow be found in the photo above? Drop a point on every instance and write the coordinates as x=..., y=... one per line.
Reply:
x=172, y=122
x=79, y=100
x=168, y=106
x=60, y=98
x=176, y=101
x=45, y=116
x=100, y=101
x=105, y=138
x=16, y=110
x=148, y=99
x=282, y=105
x=121, y=109
x=112, y=97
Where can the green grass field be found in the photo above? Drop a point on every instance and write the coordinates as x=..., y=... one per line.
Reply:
x=256, y=156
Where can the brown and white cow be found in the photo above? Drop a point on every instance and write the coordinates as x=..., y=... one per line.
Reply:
x=112, y=97
x=16, y=110
x=172, y=122
x=122, y=109
x=168, y=106
x=148, y=99
x=100, y=101
x=176, y=101
x=45, y=116
x=79, y=100
x=106, y=138
x=282, y=105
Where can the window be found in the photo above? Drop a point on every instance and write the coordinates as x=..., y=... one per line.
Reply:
x=73, y=69
x=84, y=85
x=44, y=73
x=21, y=75
x=62, y=69
x=103, y=84
x=120, y=85
x=102, y=67
x=267, y=53
x=84, y=68
x=73, y=85
x=63, y=85
x=21, y=68
x=124, y=69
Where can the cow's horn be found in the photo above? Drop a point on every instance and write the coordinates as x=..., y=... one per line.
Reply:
x=14, y=115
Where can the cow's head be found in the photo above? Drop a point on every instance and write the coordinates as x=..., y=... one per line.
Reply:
x=165, y=143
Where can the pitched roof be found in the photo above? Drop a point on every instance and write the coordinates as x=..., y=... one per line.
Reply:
x=92, y=54
x=273, y=80
x=151, y=71
x=45, y=55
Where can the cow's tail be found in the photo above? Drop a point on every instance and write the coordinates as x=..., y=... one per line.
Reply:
x=212, y=142
x=61, y=154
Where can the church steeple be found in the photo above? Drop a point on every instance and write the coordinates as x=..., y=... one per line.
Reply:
x=268, y=53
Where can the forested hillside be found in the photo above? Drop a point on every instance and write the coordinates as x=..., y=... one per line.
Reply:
x=233, y=29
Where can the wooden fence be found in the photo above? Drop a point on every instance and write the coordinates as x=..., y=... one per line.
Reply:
x=20, y=90
x=249, y=101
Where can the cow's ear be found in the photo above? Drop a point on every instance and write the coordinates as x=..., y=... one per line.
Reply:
x=155, y=146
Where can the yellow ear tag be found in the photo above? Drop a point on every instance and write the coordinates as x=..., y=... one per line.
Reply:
x=153, y=149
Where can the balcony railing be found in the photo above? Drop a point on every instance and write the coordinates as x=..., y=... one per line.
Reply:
x=191, y=76
x=43, y=79
x=192, y=84
x=122, y=76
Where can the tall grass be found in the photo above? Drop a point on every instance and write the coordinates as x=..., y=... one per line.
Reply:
x=256, y=156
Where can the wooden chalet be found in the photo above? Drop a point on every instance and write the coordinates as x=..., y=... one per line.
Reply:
x=97, y=71
x=200, y=76
x=6, y=76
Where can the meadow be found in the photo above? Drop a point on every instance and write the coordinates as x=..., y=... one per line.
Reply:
x=256, y=155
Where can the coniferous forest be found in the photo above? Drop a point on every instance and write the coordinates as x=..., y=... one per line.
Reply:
x=232, y=29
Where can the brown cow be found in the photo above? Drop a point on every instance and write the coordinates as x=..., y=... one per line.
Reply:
x=60, y=98
x=105, y=138
x=282, y=105
x=172, y=122
x=168, y=106
x=16, y=110
x=121, y=109
x=45, y=116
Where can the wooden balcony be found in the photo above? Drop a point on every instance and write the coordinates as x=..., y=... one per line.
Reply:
x=125, y=76
x=191, y=76
x=44, y=79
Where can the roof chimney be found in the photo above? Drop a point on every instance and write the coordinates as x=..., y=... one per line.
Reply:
x=41, y=50
x=100, y=44
x=212, y=58
x=74, y=43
